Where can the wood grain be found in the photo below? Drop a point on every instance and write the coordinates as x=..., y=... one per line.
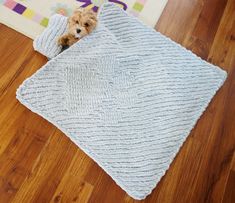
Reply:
x=38, y=163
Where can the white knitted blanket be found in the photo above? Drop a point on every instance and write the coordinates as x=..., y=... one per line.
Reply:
x=126, y=95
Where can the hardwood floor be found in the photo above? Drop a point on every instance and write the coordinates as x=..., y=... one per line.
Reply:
x=38, y=163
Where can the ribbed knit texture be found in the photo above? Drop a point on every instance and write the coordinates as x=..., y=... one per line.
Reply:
x=46, y=43
x=126, y=95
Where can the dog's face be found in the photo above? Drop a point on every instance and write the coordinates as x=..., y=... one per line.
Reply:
x=82, y=22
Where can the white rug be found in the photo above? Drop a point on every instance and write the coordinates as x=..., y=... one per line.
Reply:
x=127, y=96
x=30, y=17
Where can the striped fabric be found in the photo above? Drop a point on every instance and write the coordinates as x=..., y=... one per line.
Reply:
x=46, y=43
x=127, y=96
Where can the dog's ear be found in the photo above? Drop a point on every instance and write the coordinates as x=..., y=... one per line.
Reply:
x=69, y=20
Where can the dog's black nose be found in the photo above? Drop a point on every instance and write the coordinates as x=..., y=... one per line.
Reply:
x=78, y=31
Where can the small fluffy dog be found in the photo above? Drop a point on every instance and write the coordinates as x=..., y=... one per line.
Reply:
x=80, y=24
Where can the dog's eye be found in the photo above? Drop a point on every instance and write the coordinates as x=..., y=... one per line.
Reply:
x=77, y=21
x=86, y=24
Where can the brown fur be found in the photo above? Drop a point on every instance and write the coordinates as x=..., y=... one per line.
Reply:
x=84, y=20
